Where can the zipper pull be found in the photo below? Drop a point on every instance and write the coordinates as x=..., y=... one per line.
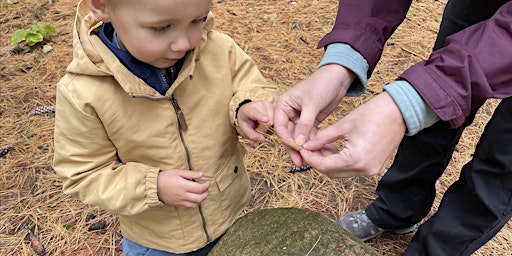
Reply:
x=179, y=113
x=182, y=120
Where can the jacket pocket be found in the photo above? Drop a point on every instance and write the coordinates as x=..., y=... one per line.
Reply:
x=235, y=190
x=229, y=193
x=233, y=183
x=157, y=221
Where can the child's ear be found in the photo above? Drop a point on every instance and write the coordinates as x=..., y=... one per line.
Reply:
x=99, y=9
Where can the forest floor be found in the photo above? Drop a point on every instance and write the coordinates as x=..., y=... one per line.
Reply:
x=281, y=37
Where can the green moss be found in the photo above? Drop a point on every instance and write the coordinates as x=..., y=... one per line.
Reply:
x=288, y=231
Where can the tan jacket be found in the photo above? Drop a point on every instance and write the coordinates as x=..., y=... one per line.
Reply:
x=113, y=133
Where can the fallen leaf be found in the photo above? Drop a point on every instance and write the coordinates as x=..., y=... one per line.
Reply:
x=47, y=48
x=97, y=225
x=35, y=244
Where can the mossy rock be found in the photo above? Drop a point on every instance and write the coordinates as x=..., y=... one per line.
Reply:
x=288, y=231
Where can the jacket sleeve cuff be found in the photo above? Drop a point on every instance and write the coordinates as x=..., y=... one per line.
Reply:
x=344, y=55
x=152, y=188
x=416, y=112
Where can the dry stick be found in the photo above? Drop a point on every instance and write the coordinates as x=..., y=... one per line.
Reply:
x=11, y=50
x=412, y=52
x=288, y=143
x=314, y=245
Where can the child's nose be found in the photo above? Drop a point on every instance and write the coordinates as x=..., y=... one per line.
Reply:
x=182, y=43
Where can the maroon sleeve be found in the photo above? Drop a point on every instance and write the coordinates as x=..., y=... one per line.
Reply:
x=366, y=25
x=474, y=65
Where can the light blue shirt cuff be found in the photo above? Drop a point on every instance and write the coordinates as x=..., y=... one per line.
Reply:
x=344, y=55
x=416, y=112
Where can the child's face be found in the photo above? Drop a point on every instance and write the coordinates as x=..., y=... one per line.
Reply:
x=159, y=32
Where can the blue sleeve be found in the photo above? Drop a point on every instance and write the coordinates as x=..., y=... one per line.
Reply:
x=416, y=112
x=344, y=55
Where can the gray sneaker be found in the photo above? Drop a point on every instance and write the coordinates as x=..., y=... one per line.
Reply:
x=359, y=225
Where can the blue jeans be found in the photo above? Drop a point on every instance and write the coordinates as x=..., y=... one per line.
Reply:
x=130, y=248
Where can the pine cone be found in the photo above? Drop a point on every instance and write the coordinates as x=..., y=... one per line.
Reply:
x=5, y=149
x=42, y=110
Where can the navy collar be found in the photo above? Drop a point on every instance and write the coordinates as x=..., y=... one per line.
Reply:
x=149, y=74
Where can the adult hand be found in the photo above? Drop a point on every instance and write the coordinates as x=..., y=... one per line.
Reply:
x=371, y=134
x=178, y=188
x=300, y=109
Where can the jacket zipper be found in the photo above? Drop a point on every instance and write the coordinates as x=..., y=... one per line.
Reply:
x=163, y=74
x=182, y=126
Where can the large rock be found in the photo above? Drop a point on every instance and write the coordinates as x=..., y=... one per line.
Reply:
x=288, y=231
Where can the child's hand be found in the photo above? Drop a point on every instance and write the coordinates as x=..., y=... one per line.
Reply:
x=255, y=118
x=176, y=187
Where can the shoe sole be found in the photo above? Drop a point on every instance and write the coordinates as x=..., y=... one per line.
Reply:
x=403, y=231
x=395, y=232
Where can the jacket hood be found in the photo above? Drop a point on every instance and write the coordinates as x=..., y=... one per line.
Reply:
x=93, y=58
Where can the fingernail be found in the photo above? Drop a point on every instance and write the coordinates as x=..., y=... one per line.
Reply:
x=301, y=139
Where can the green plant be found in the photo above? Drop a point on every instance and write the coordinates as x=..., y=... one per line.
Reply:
x=35, y=34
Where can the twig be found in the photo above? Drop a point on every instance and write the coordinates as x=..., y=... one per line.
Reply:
x=314, y=245
x=14, y=49
x=288, y=143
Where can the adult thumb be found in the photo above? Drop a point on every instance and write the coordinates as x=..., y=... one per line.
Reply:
x=305, y=125
x=325, y=136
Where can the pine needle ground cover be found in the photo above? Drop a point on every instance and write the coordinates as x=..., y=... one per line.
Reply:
x=281, y=37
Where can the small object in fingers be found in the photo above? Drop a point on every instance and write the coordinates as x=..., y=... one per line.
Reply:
x=290, y=144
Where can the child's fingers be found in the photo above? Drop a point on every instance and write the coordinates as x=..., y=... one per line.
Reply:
x=190, y=175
